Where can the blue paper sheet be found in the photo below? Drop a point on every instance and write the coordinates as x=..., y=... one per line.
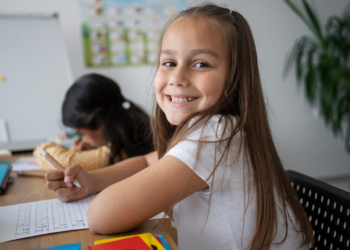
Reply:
x=72, y=246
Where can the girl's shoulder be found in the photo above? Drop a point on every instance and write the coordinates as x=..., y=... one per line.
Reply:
x=217, y=126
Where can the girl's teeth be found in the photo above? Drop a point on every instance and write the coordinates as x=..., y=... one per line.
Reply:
x=181, y=100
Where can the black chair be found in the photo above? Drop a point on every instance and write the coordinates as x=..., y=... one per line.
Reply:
x=328, y=209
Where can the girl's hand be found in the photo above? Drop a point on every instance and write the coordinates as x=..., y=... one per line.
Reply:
x=81, y=145
x=61, y=183
x=75, y=143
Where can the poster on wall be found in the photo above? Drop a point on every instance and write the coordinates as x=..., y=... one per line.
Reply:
x=124, y=32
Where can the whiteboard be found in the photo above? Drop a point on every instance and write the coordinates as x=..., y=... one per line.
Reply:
x=35, y=76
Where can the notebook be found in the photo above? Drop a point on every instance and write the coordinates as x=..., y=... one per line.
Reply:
x=5, y=171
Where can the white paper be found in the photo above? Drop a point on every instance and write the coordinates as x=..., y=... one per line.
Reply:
x=44, y=217
x=25, y=164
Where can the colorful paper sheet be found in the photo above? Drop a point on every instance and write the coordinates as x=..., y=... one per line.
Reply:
x=134, y=243
x=146, y=237
x=72, y=246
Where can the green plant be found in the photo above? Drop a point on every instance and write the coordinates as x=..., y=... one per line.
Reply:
x=322, y=64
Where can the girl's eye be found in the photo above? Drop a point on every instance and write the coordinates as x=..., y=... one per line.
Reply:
x=169, y=64
x=201, y=65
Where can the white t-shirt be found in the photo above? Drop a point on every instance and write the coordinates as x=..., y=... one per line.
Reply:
x=214, y=218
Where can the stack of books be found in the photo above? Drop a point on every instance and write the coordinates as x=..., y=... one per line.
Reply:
x=5, y=157
x=144, y=241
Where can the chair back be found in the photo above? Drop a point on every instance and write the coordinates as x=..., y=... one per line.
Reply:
x=328, y=209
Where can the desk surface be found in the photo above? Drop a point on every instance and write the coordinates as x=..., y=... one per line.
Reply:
x=29, y=189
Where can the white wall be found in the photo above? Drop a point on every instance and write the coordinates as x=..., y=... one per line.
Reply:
x=302, y=139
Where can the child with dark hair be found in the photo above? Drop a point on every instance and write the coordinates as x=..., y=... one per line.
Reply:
x=111, y=128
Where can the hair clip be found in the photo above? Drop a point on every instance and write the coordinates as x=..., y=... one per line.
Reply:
x=230, y=12
x=126, y=105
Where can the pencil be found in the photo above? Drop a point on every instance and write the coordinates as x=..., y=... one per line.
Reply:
x=56, y=164
x=35, y=173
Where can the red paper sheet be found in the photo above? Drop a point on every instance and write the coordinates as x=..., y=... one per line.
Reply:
x=134, y=243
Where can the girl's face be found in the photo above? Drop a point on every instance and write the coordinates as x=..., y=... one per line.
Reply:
x=91, y=139
x=192, y=69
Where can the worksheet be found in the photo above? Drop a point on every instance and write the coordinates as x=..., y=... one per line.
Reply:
x=25, y=164
x=44, y=217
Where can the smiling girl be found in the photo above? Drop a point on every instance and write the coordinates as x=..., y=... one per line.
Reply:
x=215, y=160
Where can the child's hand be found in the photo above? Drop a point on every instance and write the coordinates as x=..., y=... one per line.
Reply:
x=61, y=183
x=81, y=145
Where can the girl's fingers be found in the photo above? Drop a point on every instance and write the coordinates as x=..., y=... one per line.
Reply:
x=71, y=172
x=75, y=143
x=80, y=145
x=66, y=192
x=87, y=146
x=53, y=185
x=61, y=182
x=53, y=175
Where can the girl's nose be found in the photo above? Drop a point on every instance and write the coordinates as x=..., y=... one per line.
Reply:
x=179, y=78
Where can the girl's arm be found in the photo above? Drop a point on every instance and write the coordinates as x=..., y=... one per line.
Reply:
x=94, y=181
x=89, y=160
x=105, y=177
x=127, y=203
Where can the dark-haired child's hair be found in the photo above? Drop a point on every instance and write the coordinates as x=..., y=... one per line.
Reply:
x=94, y=100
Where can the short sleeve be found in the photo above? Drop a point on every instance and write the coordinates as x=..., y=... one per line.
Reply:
x=209, y=154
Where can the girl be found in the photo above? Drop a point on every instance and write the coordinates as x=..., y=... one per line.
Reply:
x=110, y=127
x=215, y=158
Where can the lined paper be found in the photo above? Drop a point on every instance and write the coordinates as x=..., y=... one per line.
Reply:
x=44, y=217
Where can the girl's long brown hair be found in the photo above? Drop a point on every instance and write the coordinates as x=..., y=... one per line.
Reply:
x=243, y=99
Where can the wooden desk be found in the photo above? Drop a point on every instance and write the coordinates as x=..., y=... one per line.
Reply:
x=29, y=189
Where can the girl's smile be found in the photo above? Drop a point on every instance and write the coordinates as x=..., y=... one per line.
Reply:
x=180, y=100
x=192, y=69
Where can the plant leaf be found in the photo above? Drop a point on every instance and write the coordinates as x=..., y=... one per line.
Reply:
x=322, y=65
x=299, y=64
x=347, y=138
x=290, y=60
x=311, y=78
x=314, y=20
x=303, y=18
